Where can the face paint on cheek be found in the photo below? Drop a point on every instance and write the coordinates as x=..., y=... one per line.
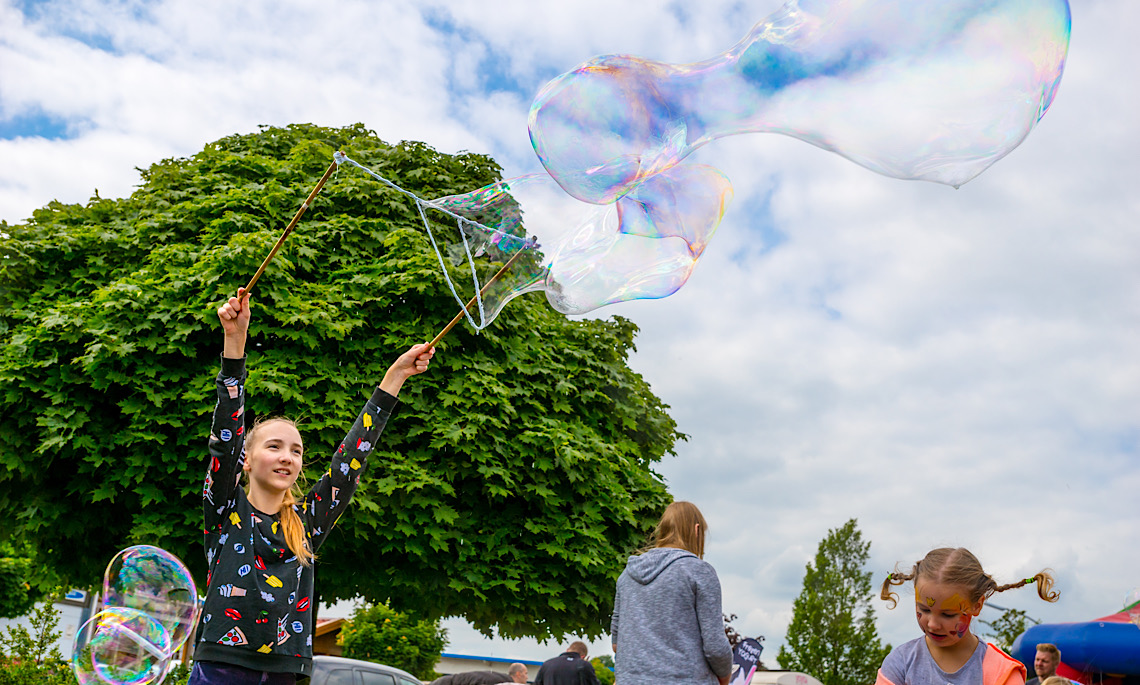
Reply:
x=963, y=625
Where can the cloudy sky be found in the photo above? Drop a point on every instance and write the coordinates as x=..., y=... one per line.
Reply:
x=951, y=367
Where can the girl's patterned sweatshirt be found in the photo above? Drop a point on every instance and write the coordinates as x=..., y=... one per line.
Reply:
x=258, y=609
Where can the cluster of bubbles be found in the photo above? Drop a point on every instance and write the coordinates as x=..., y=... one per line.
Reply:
x=912, y=90
x=148, y=610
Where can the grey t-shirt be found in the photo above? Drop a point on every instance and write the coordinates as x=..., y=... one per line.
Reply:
x=911, y=664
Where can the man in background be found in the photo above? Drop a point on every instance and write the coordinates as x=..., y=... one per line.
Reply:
x=1045, y=663
x=568, y=668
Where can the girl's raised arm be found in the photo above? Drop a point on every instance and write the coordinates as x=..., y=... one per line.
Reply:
x=227, y=429
x=234, y=315
x=329, y=497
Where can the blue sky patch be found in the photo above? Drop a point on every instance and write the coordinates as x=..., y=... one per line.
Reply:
x=38, y=124
x=494, y=71
x=756, y=215
x=40, y=12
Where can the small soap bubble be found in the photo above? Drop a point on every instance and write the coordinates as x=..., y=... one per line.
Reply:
x=120, y=646
x=148, y=610
x=155, y=582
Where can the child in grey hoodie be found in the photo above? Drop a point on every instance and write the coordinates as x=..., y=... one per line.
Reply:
x=668, y=626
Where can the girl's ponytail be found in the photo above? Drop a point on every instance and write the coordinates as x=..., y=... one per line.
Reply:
x=293, y=529
x=894, y=578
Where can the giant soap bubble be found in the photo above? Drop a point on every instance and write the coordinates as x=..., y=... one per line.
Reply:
x=149, y=609
x=643, y=246
x=933, y=91
x=937, y=91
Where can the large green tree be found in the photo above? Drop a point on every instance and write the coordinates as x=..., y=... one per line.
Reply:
x=508, y=487
x=832, y=635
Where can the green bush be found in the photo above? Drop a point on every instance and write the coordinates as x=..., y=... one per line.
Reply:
x=380, y=634
x=603, y=670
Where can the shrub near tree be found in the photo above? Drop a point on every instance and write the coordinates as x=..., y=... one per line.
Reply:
x=378, y=633
x=17, y=597
x=832, y=635
x=512, y=482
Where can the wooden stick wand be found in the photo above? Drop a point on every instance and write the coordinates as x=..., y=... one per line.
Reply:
x=459, y=316
x=289, y=229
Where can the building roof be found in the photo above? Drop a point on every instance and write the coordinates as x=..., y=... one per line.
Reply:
x=492, y=659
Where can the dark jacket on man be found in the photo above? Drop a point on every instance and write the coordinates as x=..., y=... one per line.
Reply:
x=568, y=668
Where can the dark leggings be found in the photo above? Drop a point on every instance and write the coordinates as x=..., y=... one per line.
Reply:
x=213, y=673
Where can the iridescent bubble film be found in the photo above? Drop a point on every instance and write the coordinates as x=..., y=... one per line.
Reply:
x=120, y=646
x=582, y=256
x=937, y=91
x=155, y=582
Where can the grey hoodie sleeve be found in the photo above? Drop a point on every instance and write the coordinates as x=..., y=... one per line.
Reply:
x=718, y=652
x=614, y=617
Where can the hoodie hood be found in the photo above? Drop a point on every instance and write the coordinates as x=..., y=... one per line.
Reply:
x=644, y=568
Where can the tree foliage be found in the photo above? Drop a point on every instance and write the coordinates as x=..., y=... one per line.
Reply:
x=1005, y=630
x=832, y=635
x=509, y=486
x=379, y=633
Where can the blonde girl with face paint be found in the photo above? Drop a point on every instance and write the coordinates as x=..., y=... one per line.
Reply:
x=950, y=588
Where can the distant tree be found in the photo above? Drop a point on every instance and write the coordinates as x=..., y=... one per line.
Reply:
x=379, y=633
x=1007, y=628
x=832, y=635
x=17, y=596
x=512, y=483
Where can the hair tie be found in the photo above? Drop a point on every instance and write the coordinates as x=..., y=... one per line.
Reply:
x=1031, y=580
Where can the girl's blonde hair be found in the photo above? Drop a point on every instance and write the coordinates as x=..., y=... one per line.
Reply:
x=960, y=568
x=292, y=528
x=679, y=528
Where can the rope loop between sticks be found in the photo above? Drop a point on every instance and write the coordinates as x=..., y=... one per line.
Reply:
x=460, y=222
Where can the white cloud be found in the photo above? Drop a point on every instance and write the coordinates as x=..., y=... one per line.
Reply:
x=950, y=367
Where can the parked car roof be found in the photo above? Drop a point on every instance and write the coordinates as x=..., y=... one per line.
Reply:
x=335, y=670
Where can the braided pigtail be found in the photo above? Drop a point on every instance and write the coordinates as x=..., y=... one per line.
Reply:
x=1044, y=581
x=895, y=577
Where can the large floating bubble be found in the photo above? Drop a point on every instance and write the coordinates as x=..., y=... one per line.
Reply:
x=125, y=647
x=149, y=609
x=915, y=90
x=937, y=91
x=643, y=246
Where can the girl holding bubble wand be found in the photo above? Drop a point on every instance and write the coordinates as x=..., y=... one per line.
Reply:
x=256, y=624
x=950, y=588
